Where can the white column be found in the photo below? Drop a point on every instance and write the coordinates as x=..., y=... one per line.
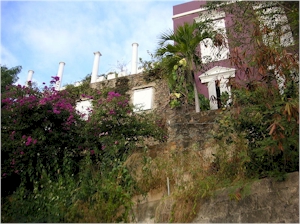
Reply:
x=95, y=66
x=225, y=88
x=223, y=85
x=29, y=76
x=134, y=60
x=212, y=93
x=59, y=74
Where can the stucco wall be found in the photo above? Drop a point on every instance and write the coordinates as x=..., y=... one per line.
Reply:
x=232, y=35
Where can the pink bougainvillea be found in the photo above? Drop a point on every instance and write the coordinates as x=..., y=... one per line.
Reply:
x=37, y=124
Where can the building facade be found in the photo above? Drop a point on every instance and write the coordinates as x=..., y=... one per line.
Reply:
x=218, y=67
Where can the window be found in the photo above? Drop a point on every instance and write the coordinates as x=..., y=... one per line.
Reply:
x=274, y=24
x=210, y=52
x=142, y=99
x=281, y=77
x=84, y=107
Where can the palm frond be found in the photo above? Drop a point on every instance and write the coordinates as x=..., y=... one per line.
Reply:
x=165, y=37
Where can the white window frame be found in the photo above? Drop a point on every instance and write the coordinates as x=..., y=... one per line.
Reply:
x=271, y=21
x=143, y=99
x=84, y=107
x=209, y=52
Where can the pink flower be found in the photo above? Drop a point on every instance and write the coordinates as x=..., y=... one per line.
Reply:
x=24, y=136
x=113, y=94
x=22, y=153
x=29, y=140
x=56, y=111
x=34, y=141
x=55, y=78
x=12, y=135
x=4, y=174
x=103, y=147
x=92, y=152
x=43, y=101
x=116, y=142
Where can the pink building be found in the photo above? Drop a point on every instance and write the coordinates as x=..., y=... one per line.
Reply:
x=217, y=70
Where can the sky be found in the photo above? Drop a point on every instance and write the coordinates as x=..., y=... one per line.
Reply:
x=37, y=35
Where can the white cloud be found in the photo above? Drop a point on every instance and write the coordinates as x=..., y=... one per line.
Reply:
x=39, y=35
x=8, y=58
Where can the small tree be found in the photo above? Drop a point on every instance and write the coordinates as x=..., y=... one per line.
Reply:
x=186, y=46
x=9, y=76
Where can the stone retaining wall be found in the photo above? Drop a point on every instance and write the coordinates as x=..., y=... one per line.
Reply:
x=268, y=202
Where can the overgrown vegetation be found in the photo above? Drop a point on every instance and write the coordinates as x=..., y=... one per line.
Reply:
x=192, y=177
x=258, y=134
x=9, y=76
x=184, y=52
x=57, y=167
x=266, y=108
x=181, y=89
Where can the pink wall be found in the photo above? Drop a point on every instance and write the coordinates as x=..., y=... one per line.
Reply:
x=188, y=6
x=193, y=5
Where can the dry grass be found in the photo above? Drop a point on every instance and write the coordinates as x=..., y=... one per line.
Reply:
x=184, y=168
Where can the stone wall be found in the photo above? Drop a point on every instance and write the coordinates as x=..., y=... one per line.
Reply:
x=183, y=123
x=192, y=128
x=128, y=84
x=268, y=201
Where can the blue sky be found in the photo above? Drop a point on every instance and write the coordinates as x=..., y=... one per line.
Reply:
x=39, y=34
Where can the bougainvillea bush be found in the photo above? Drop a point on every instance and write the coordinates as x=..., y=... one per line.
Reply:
x=39, y=131
x=116, y=130
x=54, y=161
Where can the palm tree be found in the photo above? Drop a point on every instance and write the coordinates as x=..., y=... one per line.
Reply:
x=186, y=45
